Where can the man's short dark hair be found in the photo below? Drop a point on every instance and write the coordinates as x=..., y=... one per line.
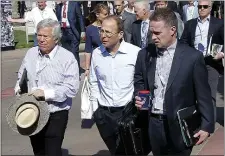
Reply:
x=166, y=15
x=118, y=20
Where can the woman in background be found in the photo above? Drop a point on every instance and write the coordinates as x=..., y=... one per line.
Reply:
x=92, y=32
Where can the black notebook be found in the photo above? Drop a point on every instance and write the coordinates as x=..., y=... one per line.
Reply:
x=190, y=122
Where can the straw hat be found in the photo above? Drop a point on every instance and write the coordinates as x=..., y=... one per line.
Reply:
x=27, y=116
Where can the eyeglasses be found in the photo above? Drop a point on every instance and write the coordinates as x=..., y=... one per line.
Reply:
x=107, y=33
x=203, y=6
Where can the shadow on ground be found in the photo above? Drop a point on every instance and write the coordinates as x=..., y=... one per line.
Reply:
x=220, y=115
x=102, y=152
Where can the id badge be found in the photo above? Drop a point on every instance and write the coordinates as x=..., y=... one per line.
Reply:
x=64, y=20
x=201, y=47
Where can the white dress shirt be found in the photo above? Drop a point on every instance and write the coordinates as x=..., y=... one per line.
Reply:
x=112, y=77
x=36, y=15
x=190, y=12
x=201, y=34
x=56, y=73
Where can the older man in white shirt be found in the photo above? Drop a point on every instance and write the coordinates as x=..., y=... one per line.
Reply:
x=36, y=15
x=111, y=80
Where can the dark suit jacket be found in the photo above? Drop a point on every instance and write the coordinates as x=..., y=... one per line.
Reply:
x=188, y=35
x=190, y=26
x=136, y=34
x=187, y=86
x=128, y=19
x=75, y=17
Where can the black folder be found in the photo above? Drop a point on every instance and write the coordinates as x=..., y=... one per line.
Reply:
x=190, y=122
x=23, y=82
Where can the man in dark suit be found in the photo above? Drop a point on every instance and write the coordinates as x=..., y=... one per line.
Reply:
x=177, y=77
x=128, y=19
x=72, y=24
x=197, y=34
x=140, y=32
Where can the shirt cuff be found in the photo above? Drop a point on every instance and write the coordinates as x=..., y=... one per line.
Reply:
x=16, y=89
x=49, y=94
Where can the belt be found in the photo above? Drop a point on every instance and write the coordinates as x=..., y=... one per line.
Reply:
x=111, y=109
x=158, y=116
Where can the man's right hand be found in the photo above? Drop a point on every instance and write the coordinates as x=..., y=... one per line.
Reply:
x=138, y=102
x=18, y=92
x=86, y=72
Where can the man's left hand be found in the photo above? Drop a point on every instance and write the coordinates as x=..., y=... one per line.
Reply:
x=82, y=35
x=219, y=56
x=38, y=93
x=202, y=135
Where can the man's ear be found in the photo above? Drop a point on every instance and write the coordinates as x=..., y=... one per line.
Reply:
x=173, y=30
x=121, y=34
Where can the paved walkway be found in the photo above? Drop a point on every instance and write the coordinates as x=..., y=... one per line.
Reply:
x=81, y=141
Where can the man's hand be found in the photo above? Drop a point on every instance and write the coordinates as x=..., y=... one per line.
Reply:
x=138, y=102
x=86, y=72
x=18, y=92
x=38, y=94
x=9, y=19
x=82, y=35
x=202, y=136
x=219, y=56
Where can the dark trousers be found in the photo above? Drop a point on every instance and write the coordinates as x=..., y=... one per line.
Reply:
x=71, y=43
x=106, y=121
x=213, y=79
x=49, y=140
x=160, y=140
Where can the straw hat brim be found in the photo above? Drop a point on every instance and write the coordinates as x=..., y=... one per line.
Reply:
x=41, y=121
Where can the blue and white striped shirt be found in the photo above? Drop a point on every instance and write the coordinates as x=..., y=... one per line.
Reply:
x=56, y=73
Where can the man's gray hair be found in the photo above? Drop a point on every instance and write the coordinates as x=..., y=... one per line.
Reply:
x=54, y=24
x=143, y=5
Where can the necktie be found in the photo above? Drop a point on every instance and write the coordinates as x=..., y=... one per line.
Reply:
x=64, y=14
x=144, y=31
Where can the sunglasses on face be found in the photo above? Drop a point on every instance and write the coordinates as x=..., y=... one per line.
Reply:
x=203, y=6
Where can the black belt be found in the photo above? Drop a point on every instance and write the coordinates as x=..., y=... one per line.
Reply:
x=158, y=116
x=111, y=109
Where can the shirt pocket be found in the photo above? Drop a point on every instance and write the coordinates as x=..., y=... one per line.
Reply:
x=124, y=77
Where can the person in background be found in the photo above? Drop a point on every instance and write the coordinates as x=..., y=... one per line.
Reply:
x=130, y=6
x=190, y=10
x=197, y=34
x=100, y=12
x=36, y=15
x=176, y=75
x=72, y=25
x=128, y=19
x=53, y=75
x=140, y=28
x=164, y=4
x=111, y=80
x=21, y=8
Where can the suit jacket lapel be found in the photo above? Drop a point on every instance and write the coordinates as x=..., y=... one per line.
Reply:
x=175, y=65
x=139, y=33
x=151, y=66
x=193, y=28
x=211, y=28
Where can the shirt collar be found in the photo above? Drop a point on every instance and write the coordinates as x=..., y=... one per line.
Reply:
x=199, y=19
x=147, y=20
x=52, y=53
x=122, y=48
x=172, y=48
